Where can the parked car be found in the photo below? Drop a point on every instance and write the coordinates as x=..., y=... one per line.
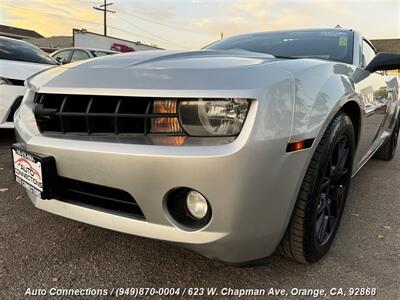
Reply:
x=18, y=61
x=233, y=151
x=68, y=55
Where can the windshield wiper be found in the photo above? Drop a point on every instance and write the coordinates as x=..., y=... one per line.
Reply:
x=287, y=57
x=303, y=57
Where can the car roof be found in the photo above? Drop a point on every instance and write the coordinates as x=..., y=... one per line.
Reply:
x=88, y=49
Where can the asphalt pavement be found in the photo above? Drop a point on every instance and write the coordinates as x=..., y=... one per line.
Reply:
x=41, y=250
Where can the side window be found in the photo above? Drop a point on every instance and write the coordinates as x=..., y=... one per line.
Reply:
x=100, y=53
x=79, y=55
x=368, y=53
x=63, y=56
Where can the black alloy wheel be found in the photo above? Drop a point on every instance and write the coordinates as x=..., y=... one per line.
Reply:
x=335, y=182
x=394, y=139
x=322, y=196
x=388, y=149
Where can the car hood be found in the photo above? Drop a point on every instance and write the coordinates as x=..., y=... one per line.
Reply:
x=175, y=59
x=161, y=70
x=20, y=70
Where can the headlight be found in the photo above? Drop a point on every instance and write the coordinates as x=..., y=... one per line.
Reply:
x=5, y=81
x=209, y=117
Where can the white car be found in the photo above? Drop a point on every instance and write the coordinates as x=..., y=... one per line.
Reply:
x=18, y=61
x=68, y=55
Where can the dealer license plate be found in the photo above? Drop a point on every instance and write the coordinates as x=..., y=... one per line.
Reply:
x=32, y=171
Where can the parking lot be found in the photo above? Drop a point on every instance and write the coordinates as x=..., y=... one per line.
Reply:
x=40, y=250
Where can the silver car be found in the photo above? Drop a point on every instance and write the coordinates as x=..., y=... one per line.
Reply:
x=234, y=151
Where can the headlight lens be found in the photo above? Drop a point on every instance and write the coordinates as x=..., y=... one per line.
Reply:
x=208, y=117
x=5, y=81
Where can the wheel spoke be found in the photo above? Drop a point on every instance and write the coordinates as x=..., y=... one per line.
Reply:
x=338, y=199
x=343, y=153
x=329, y=168
x=395, y=138
x=325, y=185
x=331, y=222
x=322, y=204
x=339, y=169
x=323, y=227
x=328, y=206
x=335, y=177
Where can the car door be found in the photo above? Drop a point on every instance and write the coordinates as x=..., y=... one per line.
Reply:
x=63, y=56
x=375, y=96
x=79, y=55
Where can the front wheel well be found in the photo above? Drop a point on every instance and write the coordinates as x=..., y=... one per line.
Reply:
x=352, y=109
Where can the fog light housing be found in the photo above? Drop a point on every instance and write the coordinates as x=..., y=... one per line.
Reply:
x=188, y=207
x=196, y=204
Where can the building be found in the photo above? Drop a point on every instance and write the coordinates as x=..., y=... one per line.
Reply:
x=85, y=39
x=18, y=33
x=53, y=43
x=388, y=45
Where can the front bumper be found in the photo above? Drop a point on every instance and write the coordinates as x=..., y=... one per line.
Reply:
x=251, y=183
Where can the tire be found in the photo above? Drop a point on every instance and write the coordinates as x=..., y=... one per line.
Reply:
x=322, y=196
x=388, y=149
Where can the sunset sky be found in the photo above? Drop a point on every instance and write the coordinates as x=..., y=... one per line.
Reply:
x=191, y=24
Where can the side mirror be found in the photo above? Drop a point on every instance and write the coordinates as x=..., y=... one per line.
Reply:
x=384, y=61
x=60, y=60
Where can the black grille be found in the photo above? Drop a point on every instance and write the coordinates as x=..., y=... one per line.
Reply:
x=98, y=197
x=14, y=107
x=97, y=115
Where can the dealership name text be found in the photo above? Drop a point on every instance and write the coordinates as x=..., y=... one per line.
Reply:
x=168, y=291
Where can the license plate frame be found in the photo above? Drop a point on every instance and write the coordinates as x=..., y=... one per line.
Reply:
x=37, y=173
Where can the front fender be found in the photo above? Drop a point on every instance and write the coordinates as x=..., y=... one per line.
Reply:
x=320, y=92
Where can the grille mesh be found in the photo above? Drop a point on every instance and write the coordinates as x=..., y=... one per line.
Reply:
x=106, y=115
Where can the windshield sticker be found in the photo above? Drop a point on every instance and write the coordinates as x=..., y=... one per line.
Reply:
x=333, y=33
x=343, y=41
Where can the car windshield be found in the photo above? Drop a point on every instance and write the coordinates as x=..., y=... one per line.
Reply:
x=97, y=53
x=336, y=45
x=21, y=51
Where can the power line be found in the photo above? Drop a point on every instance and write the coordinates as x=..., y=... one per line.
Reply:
x=130, y=33
x=155, y=35
x=49, y=14
x=104, y=9
x=33, y=11
x=160, y=23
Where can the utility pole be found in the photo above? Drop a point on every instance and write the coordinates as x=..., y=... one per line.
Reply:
x=104, y=9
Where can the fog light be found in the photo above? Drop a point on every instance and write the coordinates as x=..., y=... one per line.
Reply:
x=188, y=208
x=196, y=204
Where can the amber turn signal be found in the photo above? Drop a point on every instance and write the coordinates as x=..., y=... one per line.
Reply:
x=165, y=106
x=167, y=124
x=299, y=145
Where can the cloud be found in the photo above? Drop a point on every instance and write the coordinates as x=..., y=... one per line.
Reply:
x=211, y=17
x=154, y=10
x=50, y=17
x=241, y=16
